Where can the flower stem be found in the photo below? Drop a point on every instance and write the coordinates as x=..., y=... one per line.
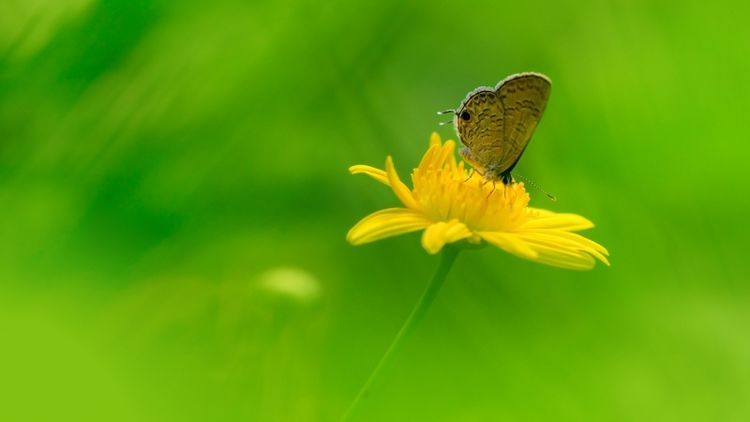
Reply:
x=447, y=257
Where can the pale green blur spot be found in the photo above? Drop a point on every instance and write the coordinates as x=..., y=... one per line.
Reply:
x=292, y=286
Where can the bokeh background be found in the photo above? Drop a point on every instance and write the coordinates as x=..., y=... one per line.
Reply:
x=174, y=199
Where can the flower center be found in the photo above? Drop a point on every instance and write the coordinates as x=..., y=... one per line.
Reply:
x=450, y=192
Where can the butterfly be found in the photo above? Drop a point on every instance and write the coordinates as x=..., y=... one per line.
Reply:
x=496, y=124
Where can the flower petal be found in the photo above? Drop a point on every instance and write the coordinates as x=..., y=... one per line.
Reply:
x=377, y=174
x=543, y=219
x=428, y=158
x=448, y=154
x=509, y=243
x=565, y=242
x=435, y=139
x=437, y=155
x=386, y=223
x=399, y=188
x=438, y=234
x=537, y=251
x=589, y=245
x=563, y=258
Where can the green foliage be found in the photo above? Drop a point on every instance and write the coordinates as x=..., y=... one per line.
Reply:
x=158, y=160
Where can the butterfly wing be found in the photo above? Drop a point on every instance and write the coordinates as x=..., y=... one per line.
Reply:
x=479, y=123
x=523, y=97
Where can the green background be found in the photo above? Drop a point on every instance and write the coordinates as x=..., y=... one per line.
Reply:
x=168, y=168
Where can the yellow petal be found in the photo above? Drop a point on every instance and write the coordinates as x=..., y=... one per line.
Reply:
x=509, y=243
x=543, y=219
x=435, y=139
x=436, y=156
x=377, y=174
x=563, y=258
x=565, y=243
x=428, y=158
x=575, y=237
x=399, y=188
x=386, y=223
x=541, y=253
x=438, y=234
x=447, y=154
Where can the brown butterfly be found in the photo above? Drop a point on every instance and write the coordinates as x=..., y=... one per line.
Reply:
x=496, y=124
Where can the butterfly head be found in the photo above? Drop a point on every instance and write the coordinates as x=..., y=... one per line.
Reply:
x=477, y=117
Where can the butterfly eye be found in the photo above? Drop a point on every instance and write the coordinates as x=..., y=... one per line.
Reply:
x=465, y=115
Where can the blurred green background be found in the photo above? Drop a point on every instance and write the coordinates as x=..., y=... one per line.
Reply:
x=174, y=199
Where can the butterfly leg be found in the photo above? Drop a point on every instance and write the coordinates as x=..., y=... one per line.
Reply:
x=467, y=155
x=493, y=189
x=506, y=178
x=471, y=173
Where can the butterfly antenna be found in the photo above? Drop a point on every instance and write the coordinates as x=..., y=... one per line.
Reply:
x=551, y=197
x=449, y=122
x=440, y=113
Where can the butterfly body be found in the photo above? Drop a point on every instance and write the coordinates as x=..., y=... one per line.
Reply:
x=496, y=124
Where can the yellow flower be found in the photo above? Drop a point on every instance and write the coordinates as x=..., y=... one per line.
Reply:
x=450, y=208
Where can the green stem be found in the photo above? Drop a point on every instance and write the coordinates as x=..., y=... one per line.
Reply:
x=447, y=257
